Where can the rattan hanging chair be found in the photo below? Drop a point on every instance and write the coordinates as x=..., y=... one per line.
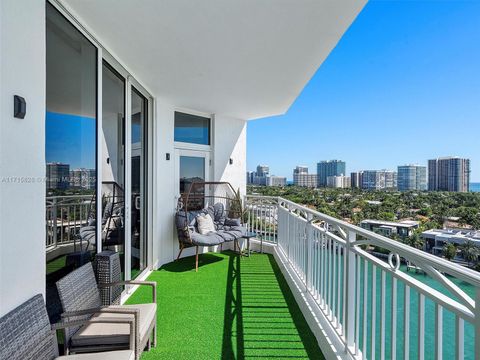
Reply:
x=221, y=202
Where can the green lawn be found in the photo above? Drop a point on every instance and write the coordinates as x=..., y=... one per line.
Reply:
x=233, y=308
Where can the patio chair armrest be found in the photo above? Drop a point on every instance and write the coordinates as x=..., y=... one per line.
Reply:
x=103, y=309
x=153, y=284
x=131, y=322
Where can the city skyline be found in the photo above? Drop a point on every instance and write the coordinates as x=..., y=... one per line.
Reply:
x=401, y=87
x=349, y=171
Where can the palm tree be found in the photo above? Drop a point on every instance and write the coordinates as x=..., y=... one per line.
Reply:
x=449, y=251
x=414, y=241
x=470, y=252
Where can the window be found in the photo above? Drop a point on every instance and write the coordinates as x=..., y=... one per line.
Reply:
x=192, y=169
x=70, y=151
x=192, y=129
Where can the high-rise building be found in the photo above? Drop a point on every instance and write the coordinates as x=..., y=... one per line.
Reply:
x=340, y=182
x=300, y=170
x=83, y=178
x=273, y=180
x=260, y=180
x=58, y=176
x=412, y=177
x=263, y=178
x=449, y=174
x=250, y=177
x=301, y=177
x=356, y=179
x=329, y=168
x=379, y=179
x=263, y=170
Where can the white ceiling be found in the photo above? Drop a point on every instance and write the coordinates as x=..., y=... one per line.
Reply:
x=241, y=58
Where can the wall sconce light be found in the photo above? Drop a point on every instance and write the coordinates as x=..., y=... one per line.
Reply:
x=231, y=161
x=19, y=107
x=167, y=156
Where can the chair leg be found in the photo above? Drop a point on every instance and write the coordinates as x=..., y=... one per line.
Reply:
x=154, y=343
x=180, y=253
x=196, y=260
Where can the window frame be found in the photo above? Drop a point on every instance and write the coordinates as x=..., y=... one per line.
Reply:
x=189, y=145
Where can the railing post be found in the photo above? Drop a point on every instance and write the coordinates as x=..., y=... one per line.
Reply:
x=350, y=292
x=277, y=214
x=289, y=240
x=308, y=237
x=54, y=213
x=477, y=323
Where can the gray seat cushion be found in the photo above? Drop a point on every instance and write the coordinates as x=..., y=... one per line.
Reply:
x=210, y=239
x=227, y=229
x=230, y=233
x=108, y=355
x=114, y=334
x=217, y=212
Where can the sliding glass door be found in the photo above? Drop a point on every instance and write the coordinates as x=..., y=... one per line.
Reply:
x=70, y=152
x=138, y=214
x=96, y=147
x=113, y=162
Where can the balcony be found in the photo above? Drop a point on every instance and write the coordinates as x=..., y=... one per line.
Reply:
x=320, y=271
x=319, y=283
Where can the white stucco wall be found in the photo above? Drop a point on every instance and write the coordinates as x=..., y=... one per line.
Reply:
x=22, y=152
x=230, y=141
x=164, y=184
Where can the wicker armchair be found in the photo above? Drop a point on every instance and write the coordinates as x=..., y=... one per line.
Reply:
x=222, y=203
x=26, y=334
x=80, y=298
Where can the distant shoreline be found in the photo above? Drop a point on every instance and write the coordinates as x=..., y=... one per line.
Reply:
x=475, y=187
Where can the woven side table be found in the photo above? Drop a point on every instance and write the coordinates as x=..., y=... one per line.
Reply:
x=108, y=270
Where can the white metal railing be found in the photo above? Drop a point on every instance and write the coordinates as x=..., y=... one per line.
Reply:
x=377, y=309
x=64, y=217
x=261, y=216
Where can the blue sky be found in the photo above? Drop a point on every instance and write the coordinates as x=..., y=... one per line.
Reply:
x=71, y=140
x=402, y=86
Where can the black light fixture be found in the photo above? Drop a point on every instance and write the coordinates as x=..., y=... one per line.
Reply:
x=167, y=156
x=231, y=161
x=19, y=107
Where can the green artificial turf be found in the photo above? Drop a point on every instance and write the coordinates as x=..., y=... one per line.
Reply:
x=56, y=264
x=233, y=308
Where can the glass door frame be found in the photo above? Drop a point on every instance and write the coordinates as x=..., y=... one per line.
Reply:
x=131, y=82
x=146, y=183
x=103, y=54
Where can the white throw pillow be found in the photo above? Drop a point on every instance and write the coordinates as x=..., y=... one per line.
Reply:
x=205, y=224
